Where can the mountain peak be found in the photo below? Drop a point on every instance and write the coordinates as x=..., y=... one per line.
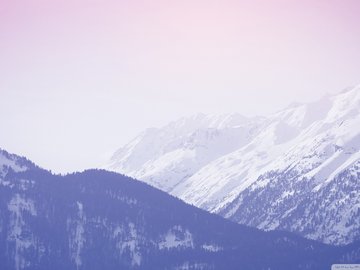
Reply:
x=211, y=161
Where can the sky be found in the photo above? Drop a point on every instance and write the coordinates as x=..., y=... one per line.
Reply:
x=80, y=78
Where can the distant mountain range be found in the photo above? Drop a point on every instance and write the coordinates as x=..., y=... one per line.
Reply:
x=296, y=170
x=104, y=220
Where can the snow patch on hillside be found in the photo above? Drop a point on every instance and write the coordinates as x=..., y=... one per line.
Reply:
x=77, y=235
x=18, y=232
x=177, y=237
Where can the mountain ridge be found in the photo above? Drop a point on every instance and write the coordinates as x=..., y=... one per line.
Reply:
x=317, y=139
x=98, y=219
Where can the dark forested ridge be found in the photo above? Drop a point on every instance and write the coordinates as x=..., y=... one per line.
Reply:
x=102, y=220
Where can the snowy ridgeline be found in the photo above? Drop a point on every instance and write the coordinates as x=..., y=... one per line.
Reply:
x=224, y=163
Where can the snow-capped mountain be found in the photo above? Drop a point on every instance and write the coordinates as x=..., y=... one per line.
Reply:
x=296, y=169
x=165, y=157
x=101, y=220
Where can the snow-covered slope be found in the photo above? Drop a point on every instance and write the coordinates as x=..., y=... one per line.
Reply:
x=292, y=156
x=165, y=157
x=313, y=187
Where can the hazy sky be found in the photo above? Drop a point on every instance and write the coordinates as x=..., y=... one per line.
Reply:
x=80, y=78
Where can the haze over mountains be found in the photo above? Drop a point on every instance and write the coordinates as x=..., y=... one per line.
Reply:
x=296, y=170
x=103, y=220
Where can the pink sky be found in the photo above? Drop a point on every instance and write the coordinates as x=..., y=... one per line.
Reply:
x=70, y=66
